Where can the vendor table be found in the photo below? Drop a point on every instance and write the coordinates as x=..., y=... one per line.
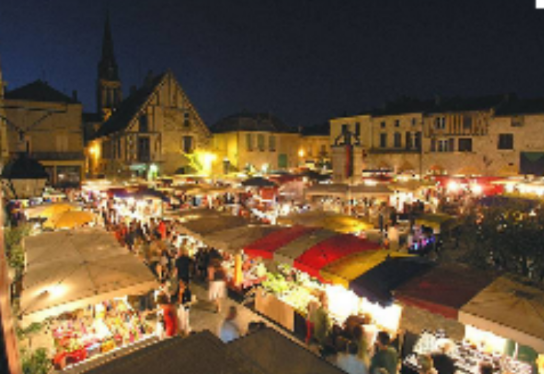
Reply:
x=275, y=309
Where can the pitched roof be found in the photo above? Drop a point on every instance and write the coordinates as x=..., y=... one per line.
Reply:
x=122, y=117
x=39, y=91
x=251, y=122
x=439, y=104
x=202, y=353
x=516, y=106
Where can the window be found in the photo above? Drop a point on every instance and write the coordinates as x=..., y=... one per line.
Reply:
x=272, y=143
x=397, y=140
x=345, y=128
x=440, y=123
x=417, y=140
x=408, y=140
x=357, y=129
x=187, y=144
x=414, y=121
x=260, y=142
x=517, y=121
x=382, y=124
x=186, y=119
x=467, y=122
x=383, y=140
x=397, y=123
x=143, y=123
x=445, y=145
x=144, y=151
x=465, y=145
x=249, y=142
x=506, y=141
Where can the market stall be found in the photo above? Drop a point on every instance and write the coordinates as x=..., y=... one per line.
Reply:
x=199, y=228
x=327, y=220
x=78, y=283
x=266, y=246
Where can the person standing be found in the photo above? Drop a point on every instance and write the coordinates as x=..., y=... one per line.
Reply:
x=217, y=283
x=313, y=305
x=443, y=363
x=182, y=266
x=386, y=357
x=169, y=317
x=184, y=299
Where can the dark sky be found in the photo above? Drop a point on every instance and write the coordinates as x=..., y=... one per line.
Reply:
x=304, y=60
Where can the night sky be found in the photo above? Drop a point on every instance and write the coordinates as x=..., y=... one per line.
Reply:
x=303, y=60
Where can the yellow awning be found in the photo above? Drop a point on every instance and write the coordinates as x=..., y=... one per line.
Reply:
x=69, y=220
x=49, y=210
x=350, y=267
x=330, y=221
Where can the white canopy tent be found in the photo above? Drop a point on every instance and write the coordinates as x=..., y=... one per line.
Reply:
x=67, y=270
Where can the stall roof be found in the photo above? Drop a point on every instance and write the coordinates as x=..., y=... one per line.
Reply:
x=201, y=227
x=378, y=283
x=331, y=250
x=344, y=190
x=444, y=289
x=265, y=247
x=328, y=220
x=238, y=237
x=291, y=251
x=275, y=353
x=71, y=269
x=352, y=266
x=509, y=309
x=202, y=353
x=192, y=214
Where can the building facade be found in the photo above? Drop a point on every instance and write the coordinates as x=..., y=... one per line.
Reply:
x=480, y=136
x=315, y=146
x=156, y=130
x=255, y=142
x=47, y=125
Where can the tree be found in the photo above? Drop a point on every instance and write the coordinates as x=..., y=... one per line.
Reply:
x=508, y=237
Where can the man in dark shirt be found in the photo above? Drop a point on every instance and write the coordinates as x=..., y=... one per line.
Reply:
x=443, y=363
x=183, y=266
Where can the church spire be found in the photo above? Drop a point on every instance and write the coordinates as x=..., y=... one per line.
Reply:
x=108, y=92
x=107, y=68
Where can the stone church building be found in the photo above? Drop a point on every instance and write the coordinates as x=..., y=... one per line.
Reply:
x=154, y=130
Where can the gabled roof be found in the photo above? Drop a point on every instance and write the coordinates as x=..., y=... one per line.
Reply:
x=39, y=91
x=122, y=117
x=251, y=122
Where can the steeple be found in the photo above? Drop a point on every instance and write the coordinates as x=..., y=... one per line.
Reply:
x=108, y=91
x=107, y=67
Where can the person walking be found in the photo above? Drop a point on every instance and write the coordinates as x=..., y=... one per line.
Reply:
x=182, y=266
x=217, y=283
x=230, y=328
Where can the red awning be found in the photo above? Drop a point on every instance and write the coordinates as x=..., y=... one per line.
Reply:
x=444, y=289
x=265, y=247
x=330, y=250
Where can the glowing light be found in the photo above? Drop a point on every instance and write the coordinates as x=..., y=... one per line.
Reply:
x=370, y=182
x=477, y=189
x=509, y=188
x=153, y=168
x=301, y=153
x=453, y=186
x=265, y=168
x=55, y=291
x=490, y=342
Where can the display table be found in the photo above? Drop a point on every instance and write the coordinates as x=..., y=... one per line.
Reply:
x=275, y=309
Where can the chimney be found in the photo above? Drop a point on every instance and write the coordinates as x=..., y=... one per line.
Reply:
x=74, y=95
